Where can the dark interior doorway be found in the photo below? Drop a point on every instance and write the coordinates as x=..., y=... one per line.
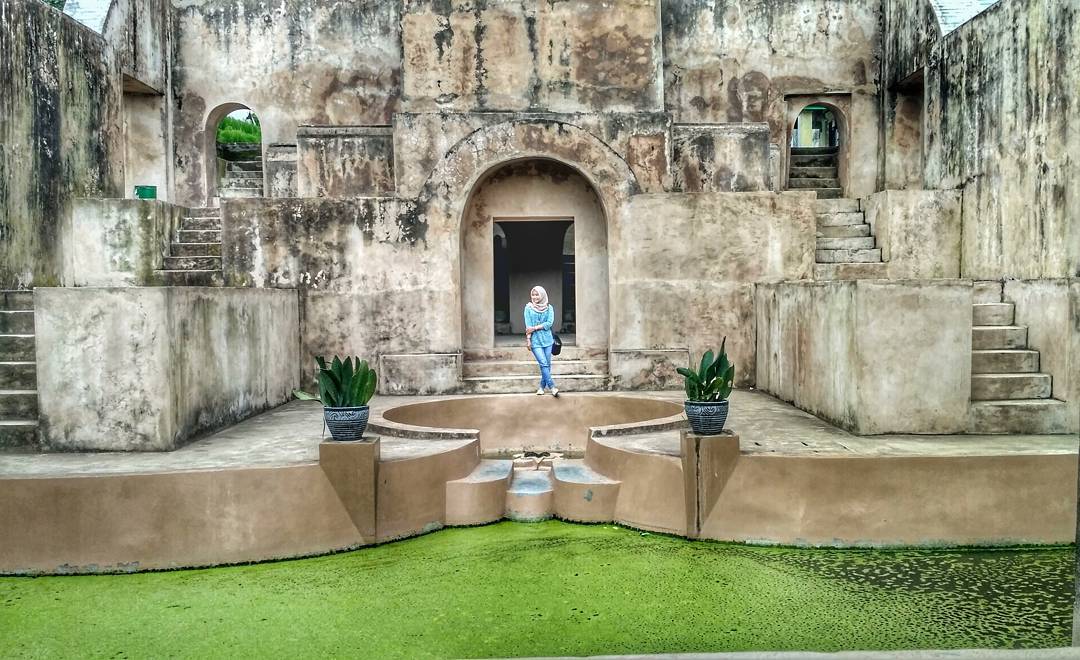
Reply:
x=529, y=252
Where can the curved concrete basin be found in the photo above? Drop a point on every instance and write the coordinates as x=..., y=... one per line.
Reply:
x=508, y=423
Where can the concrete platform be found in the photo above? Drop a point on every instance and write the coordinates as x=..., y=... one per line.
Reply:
x=258, y=491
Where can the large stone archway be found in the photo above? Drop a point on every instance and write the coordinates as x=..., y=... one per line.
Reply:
x=445, y=197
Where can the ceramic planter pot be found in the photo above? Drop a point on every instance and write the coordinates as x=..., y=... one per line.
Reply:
x=346, y=424
x=707, y=417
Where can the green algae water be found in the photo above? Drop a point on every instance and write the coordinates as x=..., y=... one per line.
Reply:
x=551, y=588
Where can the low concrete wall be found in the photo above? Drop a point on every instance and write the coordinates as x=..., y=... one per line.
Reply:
x=918, y=232
x=144, y=369
x=1051, y=311
x=871, y=356
x=683, y=267
x=118, y=242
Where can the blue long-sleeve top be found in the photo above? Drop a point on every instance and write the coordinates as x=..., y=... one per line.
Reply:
x=543, y=336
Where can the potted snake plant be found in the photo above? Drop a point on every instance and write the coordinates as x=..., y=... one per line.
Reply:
x=707, y=390
x=344, y=390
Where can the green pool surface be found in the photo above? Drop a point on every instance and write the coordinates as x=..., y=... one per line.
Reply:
x=551, y=588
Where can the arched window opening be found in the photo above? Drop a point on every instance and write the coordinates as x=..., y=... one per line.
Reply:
x=235, y=161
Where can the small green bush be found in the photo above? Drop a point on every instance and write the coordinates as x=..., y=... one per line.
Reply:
x=236, y=130
x=342, y=384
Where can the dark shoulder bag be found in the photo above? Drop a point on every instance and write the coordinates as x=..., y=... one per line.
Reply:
x=556, y=348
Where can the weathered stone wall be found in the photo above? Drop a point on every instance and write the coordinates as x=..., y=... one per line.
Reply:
x=1050, y=309
x=60, y=138
x=138, y=30
x=684, y=266
x=345, y=161
x=918, y=232
x=720, y=158
x=869, y=355
x=118, y=242
x=741, y=61
x=560, y=56
x=1000, y=122
x=151, y=368
x=297, y=62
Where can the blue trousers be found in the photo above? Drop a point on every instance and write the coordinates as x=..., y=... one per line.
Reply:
x=543, y=358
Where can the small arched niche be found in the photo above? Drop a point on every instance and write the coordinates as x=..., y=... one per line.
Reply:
x=233, y=153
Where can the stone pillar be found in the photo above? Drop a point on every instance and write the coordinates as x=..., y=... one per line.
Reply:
x=708, y=461
x=353, y=470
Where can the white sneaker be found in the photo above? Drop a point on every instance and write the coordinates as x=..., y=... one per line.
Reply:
x=539, y=391
x=554, y=391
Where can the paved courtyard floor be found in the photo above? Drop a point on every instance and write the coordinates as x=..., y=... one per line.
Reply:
x=290, y=434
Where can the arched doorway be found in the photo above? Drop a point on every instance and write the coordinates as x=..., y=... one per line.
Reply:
x=817, y=157
x=234, y=153
x=515, y=232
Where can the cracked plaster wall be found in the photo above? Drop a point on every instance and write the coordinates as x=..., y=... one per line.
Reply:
x=294, y=63
x=61, y=136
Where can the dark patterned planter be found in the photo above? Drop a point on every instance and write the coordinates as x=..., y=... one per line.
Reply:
x=707, y=417
x=346, y=424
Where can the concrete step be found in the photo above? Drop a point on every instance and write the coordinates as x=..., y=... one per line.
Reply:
x=815, y=184
x=479, y=498
x=992, y=314
x=841, y=219
x=16, y=322
x=17, y=348
x=522, y=384
x=844, y=205
x=849, y=256
x=867, y=271
x=799, y=172
x=858, y=243
x=15, y=375
x=1032, y=416
x=241, y=193
x=1004, y=362
x=205, y=210
x=531, y=496
x=198, y=236
x=991, y=387
x=582, y=494
x=243, y=165
x=192, y=263
x=519, y=353
x=195, y=249
x=559, y=367
x=814, y=151
x=827, y=193
x=998, y=337
x=986, y=292
x=843, y=231
x=18, y=433
x=16, y=300
x=243, y=174
x=192, y=277
x=18, y=404
x=203, y=222
x=814, y=160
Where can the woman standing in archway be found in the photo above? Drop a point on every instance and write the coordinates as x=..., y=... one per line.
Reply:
x=539, y=317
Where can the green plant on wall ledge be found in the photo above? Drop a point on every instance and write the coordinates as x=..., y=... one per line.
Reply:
x=713, y=379
x=342, y=384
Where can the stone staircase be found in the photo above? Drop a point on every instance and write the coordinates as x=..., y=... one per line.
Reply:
x=1008, y=392
x=194, y=257
x=817, y=169
x=498, y=489
x=242, y=179
x=505, y=370
x=845, y=245
x=18, y=372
